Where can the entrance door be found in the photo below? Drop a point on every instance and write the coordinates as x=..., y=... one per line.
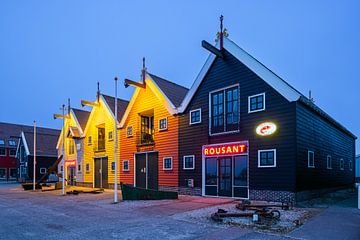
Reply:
x=101, y=172
x=147, y=170
x=71, y=176
x=152, y=170
x=225, y=183
x=140, y=161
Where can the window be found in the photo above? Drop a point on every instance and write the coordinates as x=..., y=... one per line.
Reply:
x=126, y=166
x=12, y=143
x=328, y=162
x=267, y=158
x=87, y=167
x=2, y=152
x=112, y=166
x=167, y=163
x=2, y=142
x=71, y=146
x=61, y=169
x=12, y=152
x=195, y=116
x=240, y=171
x=256, y=103
x=101, y=139
x=79, y=167
x=311, y=163
x=341, y=164
x=189, y=162
x=147, y=130
x=42, y=170
x=350, y=165
x=89, y=140
x=13, y=173
x=163, y=124
x=224, y=110
x=211, y=171
x=129, y=131
x=2, y=172
x=110, y=135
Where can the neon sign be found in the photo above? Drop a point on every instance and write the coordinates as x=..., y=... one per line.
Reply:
x=70, y=163
x=225, y=149
x=266, y=128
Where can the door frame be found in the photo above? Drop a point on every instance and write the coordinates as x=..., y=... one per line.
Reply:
x=203, y=172
x=94, y=168
x=146, y=165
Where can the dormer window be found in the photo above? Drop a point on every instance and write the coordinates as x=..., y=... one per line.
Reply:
x=256, y=103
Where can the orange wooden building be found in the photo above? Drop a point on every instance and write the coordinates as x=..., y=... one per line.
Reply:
x=149, y=135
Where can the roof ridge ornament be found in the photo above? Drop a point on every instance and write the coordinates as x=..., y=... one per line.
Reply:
x=222, y=33
x=98, y=91
x=143, y=70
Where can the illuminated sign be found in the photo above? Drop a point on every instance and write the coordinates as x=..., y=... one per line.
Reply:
x=266, y=128
x=70, y=163
x=225, y=149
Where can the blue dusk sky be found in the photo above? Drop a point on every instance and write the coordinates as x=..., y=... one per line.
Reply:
x=52, y=50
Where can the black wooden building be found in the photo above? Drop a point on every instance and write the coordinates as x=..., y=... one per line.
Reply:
x=244, y=132
x=46, y=153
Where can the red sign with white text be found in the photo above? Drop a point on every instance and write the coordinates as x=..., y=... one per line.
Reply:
x=70, y=163
x=225, y=149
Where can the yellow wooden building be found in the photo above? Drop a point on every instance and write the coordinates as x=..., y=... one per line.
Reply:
x=75, y=122
x=99, y=165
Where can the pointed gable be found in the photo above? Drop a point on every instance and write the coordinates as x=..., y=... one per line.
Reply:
x=174, y=92
x=121, y=105
x=82, y=117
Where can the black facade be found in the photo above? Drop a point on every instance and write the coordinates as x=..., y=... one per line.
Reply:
x=292, y=139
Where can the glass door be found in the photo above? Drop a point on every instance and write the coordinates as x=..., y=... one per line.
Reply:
x=225, y=177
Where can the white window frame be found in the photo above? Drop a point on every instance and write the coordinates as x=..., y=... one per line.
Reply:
x=266, y=150
x=195, y=110
x=328, y=166
x=87, y=167
x=171, y=159
x=249, y=103
x=89, y=140
x=123, y=165
x=4, y=153
x=112, y=135
x=193, y=167
x=350, y=165
x=311, y=166
x=166, y=120
x=210, y=109
x=5, y=173
x=43, y=170
x=10, y=152
x=127, y=131
x=12, y=141
x=343, y=164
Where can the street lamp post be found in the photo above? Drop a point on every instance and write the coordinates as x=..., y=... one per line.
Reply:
x=63, y=151
x=34, y=160
x=116, y=147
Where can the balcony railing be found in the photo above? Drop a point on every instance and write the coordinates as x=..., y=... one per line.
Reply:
x=99, y=146
x=145, y=139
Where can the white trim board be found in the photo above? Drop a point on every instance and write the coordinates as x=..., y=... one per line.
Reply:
x=287, y=91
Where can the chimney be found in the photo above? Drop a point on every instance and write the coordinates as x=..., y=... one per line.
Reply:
x=221, y=33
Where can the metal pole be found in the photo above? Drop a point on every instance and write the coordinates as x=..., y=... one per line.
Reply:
x=63, y=149
x=115, y=147
x=34, y=174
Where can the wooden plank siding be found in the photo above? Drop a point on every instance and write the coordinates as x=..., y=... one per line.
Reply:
x=317, y=135
x=226, y=72
x=166, y=142
x=100, y=115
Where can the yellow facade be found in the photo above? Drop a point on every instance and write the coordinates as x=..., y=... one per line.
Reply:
x=100, y=117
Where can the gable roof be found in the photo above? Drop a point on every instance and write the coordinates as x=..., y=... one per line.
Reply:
x=81, y=116
x=11, y=131
x=121, y=105
x=276, y=82
x=174, y=92
x=46, y=140
x=280, y=85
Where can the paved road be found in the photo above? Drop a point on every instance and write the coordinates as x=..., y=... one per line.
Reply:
x=38, y=215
